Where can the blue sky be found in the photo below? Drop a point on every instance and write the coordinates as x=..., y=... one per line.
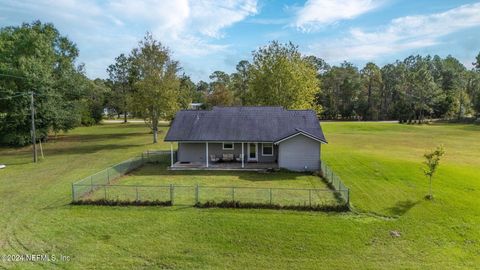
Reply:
x=208, y=35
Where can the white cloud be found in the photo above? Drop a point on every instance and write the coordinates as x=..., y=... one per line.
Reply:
x=317, y=13
x=104, y=29
x=184, y=23
x=404, y=33
x=211, y=16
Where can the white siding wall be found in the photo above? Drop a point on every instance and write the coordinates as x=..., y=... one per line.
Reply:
x=195, y=152
x=191, y=152
x=299, y=153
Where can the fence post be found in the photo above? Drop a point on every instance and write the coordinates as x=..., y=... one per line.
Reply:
x=233, y=194
x=105, y=192
x=310, y=197
x=73, y=193
x=91, y=183
x=136, y=193
x=171, y=193
x=108, y=176
x=348, y=196
x=270, y=196
x=196, y=194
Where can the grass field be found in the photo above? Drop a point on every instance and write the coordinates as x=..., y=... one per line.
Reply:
x=380, y=162
x=152, y=182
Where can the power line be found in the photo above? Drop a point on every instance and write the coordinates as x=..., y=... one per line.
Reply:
x=29, y=93
x=17, y=95
x=12, y=76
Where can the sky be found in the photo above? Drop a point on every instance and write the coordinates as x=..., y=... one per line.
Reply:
x=209, y=35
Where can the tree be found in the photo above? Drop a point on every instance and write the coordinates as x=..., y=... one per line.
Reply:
x=476, y=64
x=340, y=93
x=156, y=93
x=39, y=60
x=451, y=78
x=94, y=102
x=188, y=92
x=219, y=90
x=239, y=81
x=280, y=76
x=121, y=78
x=320, y=65
x=202, y=88
x=421, y=90
x=432, y=160
x=393, y=103
x=473, y=90
x=372, y=82
x=473, y=85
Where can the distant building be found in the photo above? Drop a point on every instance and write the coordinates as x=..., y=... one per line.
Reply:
x=195, y=106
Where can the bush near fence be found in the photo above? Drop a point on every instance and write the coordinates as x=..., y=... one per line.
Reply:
x=122, y=203
x=101, y=189
x=238, y=204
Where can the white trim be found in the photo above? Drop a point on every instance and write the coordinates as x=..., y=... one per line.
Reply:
x=243, y=158
x=206, y=152
x=256, y=152
x=267, y=155
x=300, y=133
x=223, y=146
x=171, y=154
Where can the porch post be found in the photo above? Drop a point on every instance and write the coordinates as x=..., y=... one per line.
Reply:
x=206, y=152
x=171, y=154
x=243, y=158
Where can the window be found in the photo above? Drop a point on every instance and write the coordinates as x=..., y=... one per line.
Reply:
x=267, y=149
x=227, y=146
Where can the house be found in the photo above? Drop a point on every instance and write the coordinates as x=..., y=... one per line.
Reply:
x=247, y=138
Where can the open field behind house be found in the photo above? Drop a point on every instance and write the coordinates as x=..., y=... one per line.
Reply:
x=380, y=162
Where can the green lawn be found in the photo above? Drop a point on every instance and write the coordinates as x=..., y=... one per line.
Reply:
x=381, y=163
x=152, y=181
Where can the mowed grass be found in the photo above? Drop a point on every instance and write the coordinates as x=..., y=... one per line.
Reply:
x=381, y=163
x=152, y=182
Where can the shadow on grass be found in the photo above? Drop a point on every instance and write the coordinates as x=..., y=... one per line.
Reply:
x=74, y=144
x=402, y=207
x=132, y=124
x=95, y=137
x=87, y=149
x=160, y=169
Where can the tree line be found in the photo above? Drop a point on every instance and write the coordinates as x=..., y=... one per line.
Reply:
x=35, y=59
x=411, y=90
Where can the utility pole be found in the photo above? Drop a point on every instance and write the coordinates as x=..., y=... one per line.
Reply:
x=34, y=139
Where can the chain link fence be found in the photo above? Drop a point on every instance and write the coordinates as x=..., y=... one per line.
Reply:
x=102, y=187
x=335, y=182
x=88, y=185
x=196, y=194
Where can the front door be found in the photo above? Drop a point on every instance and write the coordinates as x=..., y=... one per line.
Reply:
x=252, y=152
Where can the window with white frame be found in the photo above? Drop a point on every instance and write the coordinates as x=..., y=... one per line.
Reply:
x=267, y=149
x=227, y=146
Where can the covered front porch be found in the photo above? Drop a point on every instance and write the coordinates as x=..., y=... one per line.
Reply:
x=225, y=156
x=224, y=166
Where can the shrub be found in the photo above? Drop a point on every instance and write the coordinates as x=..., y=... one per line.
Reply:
x=237, y=204
x=122, y=202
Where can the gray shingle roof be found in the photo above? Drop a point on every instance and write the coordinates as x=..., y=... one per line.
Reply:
x=248, y=124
